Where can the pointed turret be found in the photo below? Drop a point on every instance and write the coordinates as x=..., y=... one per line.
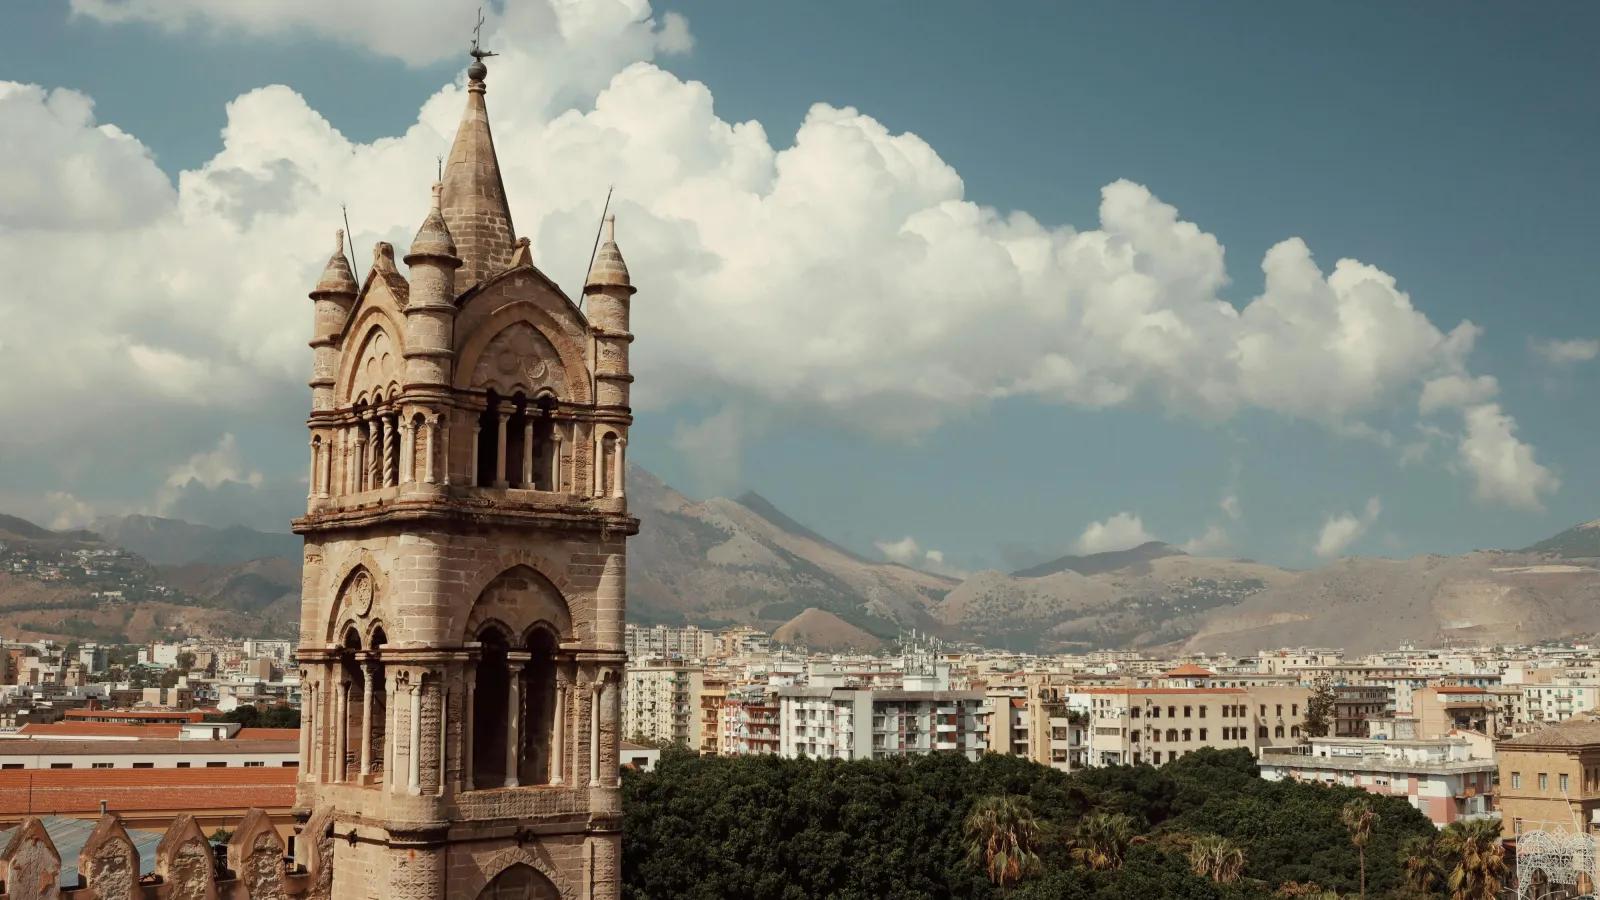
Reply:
x=474, y=203
x=431, y=309
x=333, y=296
x=609, y=290
x=609, y=269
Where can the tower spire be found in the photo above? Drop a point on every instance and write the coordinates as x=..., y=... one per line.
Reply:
x=609, y=269
x=474, y=196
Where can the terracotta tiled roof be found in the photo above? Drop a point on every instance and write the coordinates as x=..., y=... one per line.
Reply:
x=45, y=791
x=1571, y=733
x=268, y=734
x=1189, y=669
x=193, y=715
x=103, y=729
x=1139, y=690
x=90, y=746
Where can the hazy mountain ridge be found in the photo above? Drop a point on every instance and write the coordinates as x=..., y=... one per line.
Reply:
x=720, y=561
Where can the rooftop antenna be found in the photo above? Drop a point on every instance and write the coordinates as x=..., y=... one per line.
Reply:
x=595, y=247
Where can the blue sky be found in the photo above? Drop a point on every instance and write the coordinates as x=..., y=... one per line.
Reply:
x=1449, y=146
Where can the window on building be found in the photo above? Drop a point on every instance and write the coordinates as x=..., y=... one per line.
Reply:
x=61, y=765
x=1172, y=735
x=289, y=764
x=1157, y=758
x=1172, y=712
x=1188, y=734
x=1564, y=785
x=1294, y=709
x=10, y=765
x=184, y=765
x=1263, y=709
x=217, y=765
x=1188, y=711
x=1202, y=734
x=1544, y=782
x=1278, y=732
x=1294, y=731
x=145, y=765
x=1136, y=712
x=1202, y=712
x=102, y=765
x=254, y=764
x=1280, y=709
x=1133, y=738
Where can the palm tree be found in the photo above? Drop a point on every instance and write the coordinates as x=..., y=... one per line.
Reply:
x=1417, y=860
x=1359, y=817
x=1102, y=840
x=1001, y=835
x=1214, y=856
x=1477, y=859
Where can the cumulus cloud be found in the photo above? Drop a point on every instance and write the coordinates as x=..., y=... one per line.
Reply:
x=1566, y=353
x=846, y=277
x=1455, y=391
x=1216, y=541
x=1120, y=532
x=907, y=552
x=1504, y=465
x=1340, y=531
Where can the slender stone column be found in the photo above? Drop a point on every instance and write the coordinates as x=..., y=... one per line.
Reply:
x=443, y=425
x=430, y=428
x=341, y=745
x=555, y=457
x=468, y=751
x=500, y=453
x=514, y=724
x=616, y=476
x=597, y=488
x=472, y=472
x=366, y=724
x=594, y=733
x=576, y=488
x=391, y=450
x=558, y=730
x=414, y=761
x=375, y=453
x=359, y=476
x=327, y=466
x=408, y=452
x=308, y=703
x=316, y=459
x=444, y=732
x=527, y=454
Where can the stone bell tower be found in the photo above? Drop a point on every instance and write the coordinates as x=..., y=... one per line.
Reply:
x=461, y=628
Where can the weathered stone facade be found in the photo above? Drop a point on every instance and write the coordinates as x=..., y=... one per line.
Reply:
x=462, y=618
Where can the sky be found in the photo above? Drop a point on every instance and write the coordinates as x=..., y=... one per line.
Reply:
x=959, y=285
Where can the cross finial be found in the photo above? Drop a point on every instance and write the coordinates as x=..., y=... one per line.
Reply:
x=477, y=52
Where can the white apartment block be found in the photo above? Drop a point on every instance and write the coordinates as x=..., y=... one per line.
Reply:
x=1440, y=778
x=1552, y=703
x=662, y=642
x=661, y=703
x=839, y=723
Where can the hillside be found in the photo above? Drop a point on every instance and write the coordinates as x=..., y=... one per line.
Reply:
x=175, y=542
x=820, y=630
x=1097, y=563
x=1577, y=542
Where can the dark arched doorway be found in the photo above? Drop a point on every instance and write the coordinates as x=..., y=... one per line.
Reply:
x=490, y=702
x=519, y=882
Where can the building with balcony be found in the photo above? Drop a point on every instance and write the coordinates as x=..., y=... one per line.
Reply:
x=750, y=723
x=1035, y=722
x=841, y=723
x=661, y=704
x=1441, y=778
x=1130, y=725
x=1446, y=707
x=1547, y=704
x=713, y=694
x=1356, y=704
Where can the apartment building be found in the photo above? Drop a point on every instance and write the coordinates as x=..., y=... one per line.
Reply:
x=1442, y=778
x=1036, y=723
x=1560, y=700
x=1157, y=725
x=1356, y=704
x=1550, y=779
x=842, y=723
x=1446, y=707
x=661, y=704
x=751, y=722
x=713, y=695
x=666, y=643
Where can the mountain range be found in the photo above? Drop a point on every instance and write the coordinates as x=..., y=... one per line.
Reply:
x=724, y=561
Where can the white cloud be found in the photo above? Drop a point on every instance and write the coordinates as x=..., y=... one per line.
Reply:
x=907, y=552
x=1120, y=532
x=1215, y=542
x=1566, y=353
x=1503, y=465
x=208, y=470
x=845, y=278
x=1455, y=391
x=67, y=511
x=1230, y=505
x=1340, y=531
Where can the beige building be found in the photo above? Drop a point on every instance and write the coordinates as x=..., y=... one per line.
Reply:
x=1036, y=723
x=1550, y=779
x=1157, y=725
x=661, y=704
x=462, y=619
x=1442, y=709
x=713, y=696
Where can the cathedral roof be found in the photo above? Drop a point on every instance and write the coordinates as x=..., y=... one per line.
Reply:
x=609, y=269
x=336, y=277
x=474, y=199
x=433, y=238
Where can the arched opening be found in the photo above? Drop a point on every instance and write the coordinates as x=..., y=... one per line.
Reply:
x=380, y=704
x=421, y=457
x=608, y=465
x=356, y=455
x=519, y=882
x=488, y=441
x=546, y=474
x=491, y=697
x=539, y=706
x=356, y=685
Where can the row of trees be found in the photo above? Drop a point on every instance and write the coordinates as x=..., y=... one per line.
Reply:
x=1205, y=826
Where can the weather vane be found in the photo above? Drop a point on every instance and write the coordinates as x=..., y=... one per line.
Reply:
x=477, y=34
